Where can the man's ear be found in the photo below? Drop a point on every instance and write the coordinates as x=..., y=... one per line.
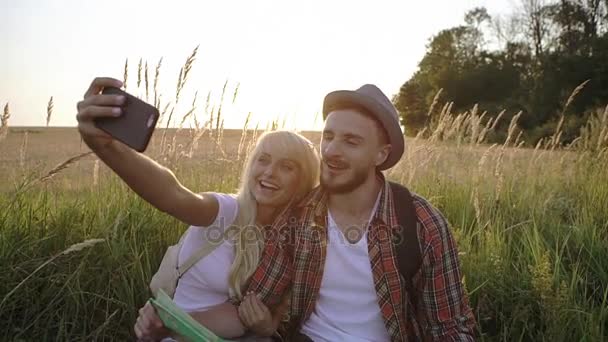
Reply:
x=382, y=154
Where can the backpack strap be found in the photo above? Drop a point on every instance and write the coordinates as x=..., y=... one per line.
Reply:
x=194, y=258
x=409, y=257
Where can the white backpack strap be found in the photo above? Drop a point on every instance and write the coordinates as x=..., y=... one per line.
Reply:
x=194, y=258
x=201, y=253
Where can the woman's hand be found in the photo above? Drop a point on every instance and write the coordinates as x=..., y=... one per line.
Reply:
x=149, y=327
x=96, y=105
x=256, y=316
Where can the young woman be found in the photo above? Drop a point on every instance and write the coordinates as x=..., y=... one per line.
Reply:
x=282, y=168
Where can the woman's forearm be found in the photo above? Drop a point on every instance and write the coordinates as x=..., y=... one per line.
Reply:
x=150, y=180
x=157, y=184
x=223, y=320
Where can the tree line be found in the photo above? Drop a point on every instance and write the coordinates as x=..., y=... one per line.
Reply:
x=528, y=61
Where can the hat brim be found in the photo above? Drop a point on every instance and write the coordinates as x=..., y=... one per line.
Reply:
x=343, y=98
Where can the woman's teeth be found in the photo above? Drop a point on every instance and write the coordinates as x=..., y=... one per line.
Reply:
x=271, y=186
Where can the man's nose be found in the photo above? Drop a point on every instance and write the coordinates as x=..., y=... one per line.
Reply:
x=331, y=149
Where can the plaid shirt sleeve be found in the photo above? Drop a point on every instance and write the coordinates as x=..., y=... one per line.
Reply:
x=445, y=311
x=272, y=277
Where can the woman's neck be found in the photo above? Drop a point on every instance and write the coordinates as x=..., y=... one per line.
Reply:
x=266, y=214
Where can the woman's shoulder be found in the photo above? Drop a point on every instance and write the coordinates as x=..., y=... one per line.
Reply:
x=227, y=209
x=226, y=215
x=215, y=233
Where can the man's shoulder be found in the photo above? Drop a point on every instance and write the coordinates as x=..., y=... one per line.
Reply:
x=431, y=219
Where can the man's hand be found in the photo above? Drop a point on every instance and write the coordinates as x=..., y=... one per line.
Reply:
x=149, y=327
x=256, y=316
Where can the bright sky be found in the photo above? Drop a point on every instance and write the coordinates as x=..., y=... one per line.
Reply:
x=286, y=55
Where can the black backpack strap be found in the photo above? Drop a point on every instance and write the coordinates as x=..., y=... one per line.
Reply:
x=407, y=246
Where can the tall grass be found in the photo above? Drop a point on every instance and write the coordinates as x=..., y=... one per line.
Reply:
x=531, y=226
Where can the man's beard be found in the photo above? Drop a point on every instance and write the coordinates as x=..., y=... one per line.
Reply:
x=359, y=177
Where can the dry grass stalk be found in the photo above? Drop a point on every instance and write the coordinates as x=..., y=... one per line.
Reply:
x=512, y=129
x=184, y=72
x=82, y=245
x=188, y=113
x=59, y=168
x=236, y=92
x=197, y=124
x=415, y=165
x=211, y=119
x=444, y=120
x=573, y=95
x=193, y=145
x=163, y=112
x=484, y=132
x=254, y=138
x=475, y=124
x=518, y=142
x=456, y=127
x=96, y=172
x=434, y=103
x=315, y=121
x=49, y=111
x=73, y=248
x=164, y=137
x=555, y=139
x=219, y=110
x=23, y=150
x=500, y=115
x=499, y=174
x=220, y=138
x=125, y=75
x=4, y=122
x=184, y=118
x=139, y=69
x=173, y=146
x=477, y=182
x=208, y=103
x=147, y=82
x=156, y=77
x=244, y=132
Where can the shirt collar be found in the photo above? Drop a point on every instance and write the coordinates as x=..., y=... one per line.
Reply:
x=318, y=198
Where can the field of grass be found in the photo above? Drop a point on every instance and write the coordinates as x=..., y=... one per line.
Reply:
x=78, y=248
x=532, y=228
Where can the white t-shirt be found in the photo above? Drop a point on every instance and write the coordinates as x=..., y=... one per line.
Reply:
x=347, y=307
x=206, y=283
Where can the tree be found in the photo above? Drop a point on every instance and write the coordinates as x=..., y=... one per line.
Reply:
x=546, y=49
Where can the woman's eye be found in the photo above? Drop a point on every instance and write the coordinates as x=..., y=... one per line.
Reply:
x=287, y=167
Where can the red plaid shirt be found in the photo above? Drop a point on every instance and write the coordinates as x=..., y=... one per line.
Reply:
x=294, y=255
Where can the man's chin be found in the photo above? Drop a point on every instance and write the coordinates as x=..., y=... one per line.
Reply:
x=338, y=187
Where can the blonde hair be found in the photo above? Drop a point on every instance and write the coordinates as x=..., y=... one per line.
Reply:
x=249, y=240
